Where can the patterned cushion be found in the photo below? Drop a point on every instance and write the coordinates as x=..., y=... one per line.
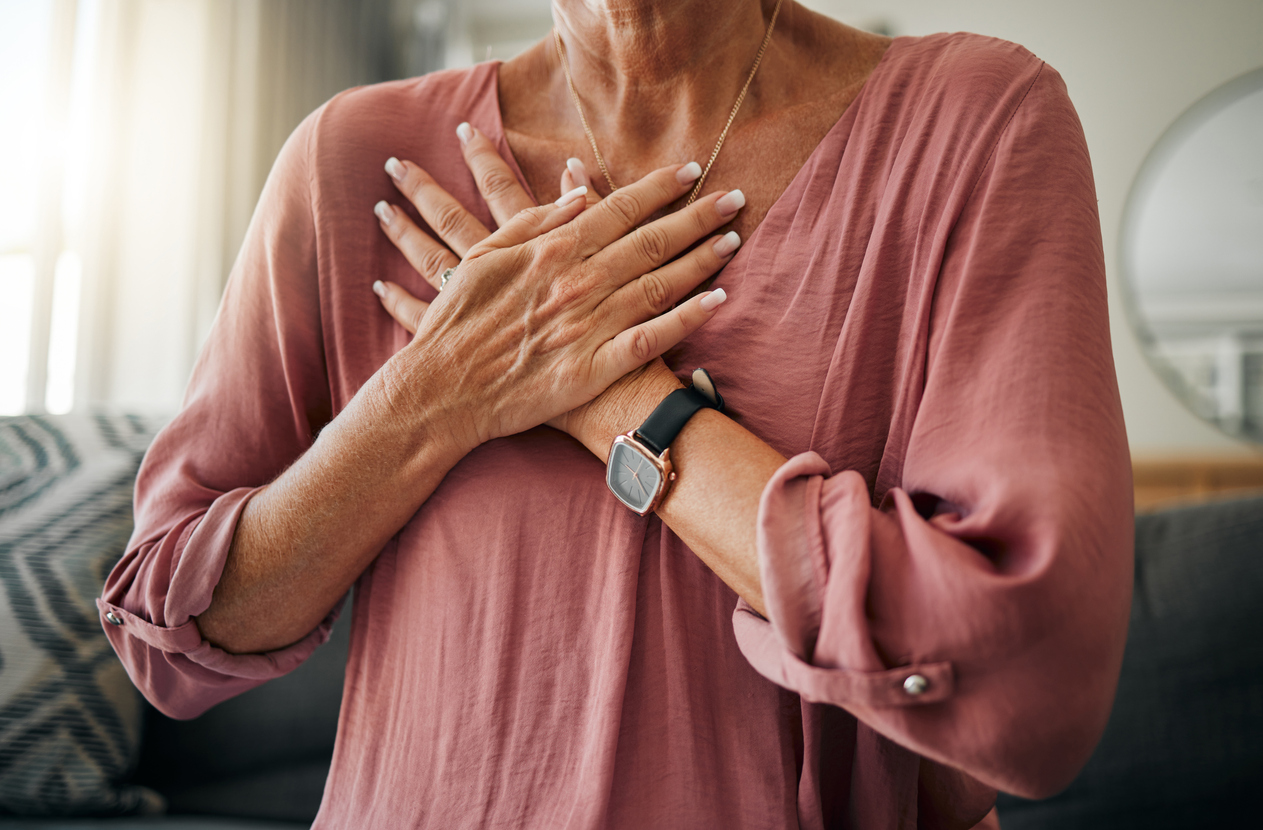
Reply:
x=70, y=719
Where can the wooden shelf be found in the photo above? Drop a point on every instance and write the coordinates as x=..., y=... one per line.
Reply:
x=1163, y=482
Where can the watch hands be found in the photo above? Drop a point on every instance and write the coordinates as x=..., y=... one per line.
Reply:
x=640, y=483
x=636, y=477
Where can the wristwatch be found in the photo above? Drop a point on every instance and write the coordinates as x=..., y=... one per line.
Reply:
x=639, y=471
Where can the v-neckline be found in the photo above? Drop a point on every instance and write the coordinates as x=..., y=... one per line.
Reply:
x=837, y=134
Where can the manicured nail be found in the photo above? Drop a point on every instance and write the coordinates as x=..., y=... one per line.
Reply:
x=464, y=132
x=567, y=198
x=731, y=203
x=379, y=288
x=688, y=173
x=578, y=171
x=713, y=300
x=384, y=212
x=395, y=169
x=727, y=243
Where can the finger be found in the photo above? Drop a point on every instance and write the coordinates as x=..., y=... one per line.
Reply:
x=455, y=225
x=429, y=258
x=568, y=184
x=656, y=292
x=578, y=172
x=578, y=177
x=649, y=246
x=407, y=310
x=628, y=206
x=640, y=344
x=496, y=181
x=536, y=221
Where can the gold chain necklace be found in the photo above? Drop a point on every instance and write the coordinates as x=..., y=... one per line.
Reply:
x=565, y=67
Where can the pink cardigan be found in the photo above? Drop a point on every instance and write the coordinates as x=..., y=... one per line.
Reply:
x=920, y=322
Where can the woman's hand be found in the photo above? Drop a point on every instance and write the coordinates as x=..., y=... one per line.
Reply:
x=549, y=311
x=457, y=228
x=722, y=467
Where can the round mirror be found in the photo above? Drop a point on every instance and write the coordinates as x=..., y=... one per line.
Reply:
x=1192, y=257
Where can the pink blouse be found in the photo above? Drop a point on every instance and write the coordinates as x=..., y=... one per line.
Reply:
x=919, y=322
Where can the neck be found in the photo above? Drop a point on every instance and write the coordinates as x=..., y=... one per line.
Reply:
x=667, y=71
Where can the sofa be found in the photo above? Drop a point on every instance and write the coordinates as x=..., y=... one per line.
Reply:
x=1183, y=748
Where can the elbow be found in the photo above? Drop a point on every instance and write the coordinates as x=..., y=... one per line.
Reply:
x=1032, y=767
x=162, y=680
x=1039, y=781
x=175, y=707
x=1029, y=726
x=1043, y=749
x=173, y=684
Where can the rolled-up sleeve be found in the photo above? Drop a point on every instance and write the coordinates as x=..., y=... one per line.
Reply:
x=977, y=612
x=258, y=394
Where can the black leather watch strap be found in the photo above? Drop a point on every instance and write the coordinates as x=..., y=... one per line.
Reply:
x=666, y=421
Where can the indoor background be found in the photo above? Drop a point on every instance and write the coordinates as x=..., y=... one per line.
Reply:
x=137, y=135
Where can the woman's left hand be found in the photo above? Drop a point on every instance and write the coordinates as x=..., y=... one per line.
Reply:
x=461, y=230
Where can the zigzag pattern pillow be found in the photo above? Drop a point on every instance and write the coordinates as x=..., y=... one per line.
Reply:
x=70, y=719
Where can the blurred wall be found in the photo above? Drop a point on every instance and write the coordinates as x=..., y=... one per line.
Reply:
x=1132, y=66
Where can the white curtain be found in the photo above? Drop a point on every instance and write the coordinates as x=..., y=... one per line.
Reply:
x=191, y=100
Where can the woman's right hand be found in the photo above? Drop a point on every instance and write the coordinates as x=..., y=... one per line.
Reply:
x=544, y=314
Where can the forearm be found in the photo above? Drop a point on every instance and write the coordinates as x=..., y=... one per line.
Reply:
x=721, y=470
x=305, y=538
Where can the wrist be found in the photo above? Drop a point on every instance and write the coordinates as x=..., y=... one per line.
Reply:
x=625, y=406
x=425, y=402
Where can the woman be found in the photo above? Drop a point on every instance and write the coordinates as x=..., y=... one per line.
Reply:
x=917, y=501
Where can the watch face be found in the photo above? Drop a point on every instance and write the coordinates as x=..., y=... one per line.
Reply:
x=632, y=476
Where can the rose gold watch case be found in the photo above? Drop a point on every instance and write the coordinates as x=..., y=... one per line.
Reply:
x=666, y=473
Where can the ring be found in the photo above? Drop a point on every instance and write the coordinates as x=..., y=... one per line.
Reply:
x=445, y=276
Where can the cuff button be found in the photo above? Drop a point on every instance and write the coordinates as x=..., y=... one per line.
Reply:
x=915, y=684
x=114, y=619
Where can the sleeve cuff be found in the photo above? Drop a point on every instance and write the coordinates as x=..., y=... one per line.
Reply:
x=794, y=572
x=186, y=639
x=792, y=565
x=199, y=558
x=912, y=685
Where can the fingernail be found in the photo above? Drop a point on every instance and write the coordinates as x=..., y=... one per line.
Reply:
x=713, y=300
x=572, y=195
x=689, y=173
x=464, y=132
x=727, y=243
x=577, y=170
x=395, y=169
x=731, y=203
x=379, y=288
x=384, y=212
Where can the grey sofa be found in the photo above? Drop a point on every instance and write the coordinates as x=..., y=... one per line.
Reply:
x=262, y=755
x=1184, y=746
x=255, y=762
x=77, y=743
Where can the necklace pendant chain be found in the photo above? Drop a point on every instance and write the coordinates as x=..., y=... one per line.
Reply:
x=714, y=154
